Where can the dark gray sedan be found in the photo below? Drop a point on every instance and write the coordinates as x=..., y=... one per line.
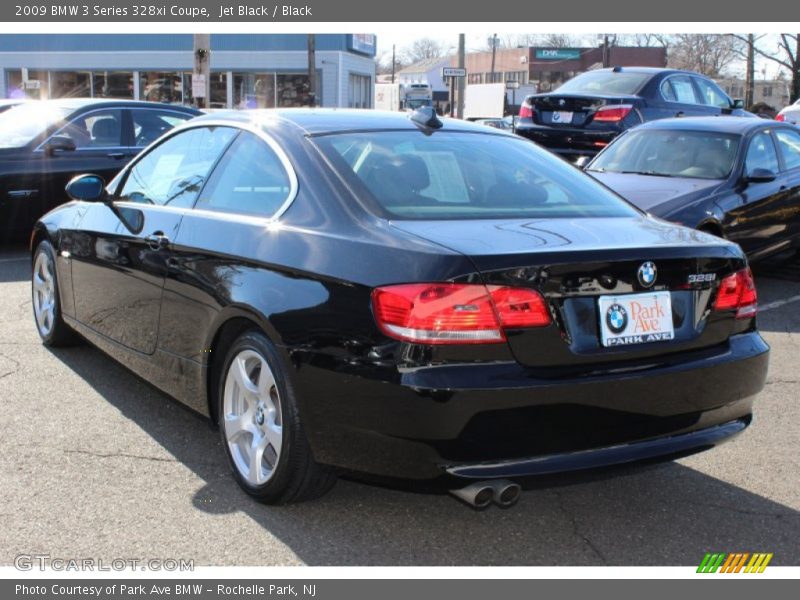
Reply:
x=736, y=178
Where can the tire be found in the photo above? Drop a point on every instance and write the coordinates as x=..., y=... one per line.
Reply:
x=46, y=300
x=261, y=428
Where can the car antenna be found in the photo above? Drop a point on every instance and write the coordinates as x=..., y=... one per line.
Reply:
x=426, y=119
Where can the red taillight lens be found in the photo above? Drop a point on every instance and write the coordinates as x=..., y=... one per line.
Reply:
x=780, y=117
x=738, y=292
x=612, y=113
x=525, y=111
x=452, y=313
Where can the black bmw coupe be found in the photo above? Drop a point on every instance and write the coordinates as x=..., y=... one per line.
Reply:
x=401, y=296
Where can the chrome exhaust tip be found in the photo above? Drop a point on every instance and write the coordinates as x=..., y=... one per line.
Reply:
x=505, y=493
x=478, y=495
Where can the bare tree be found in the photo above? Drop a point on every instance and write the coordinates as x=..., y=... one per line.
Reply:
x=557, y=40
x=787, y=54
x=422, y=49
x=709, y=54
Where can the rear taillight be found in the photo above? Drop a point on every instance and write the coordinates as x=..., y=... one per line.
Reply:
x=612, y=113
x=525, y=111
x=738, y=292
x=780, y=117
x=454, y=313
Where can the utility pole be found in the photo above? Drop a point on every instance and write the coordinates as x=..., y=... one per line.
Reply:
x=201, y=73
x=312, y=70
x=494, y=53
x=393, y=63
x=606, y=53
x=461, y=80
x=749, y=86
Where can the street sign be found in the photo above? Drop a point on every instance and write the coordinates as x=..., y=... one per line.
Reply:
x=512, y=85
x=198, y=85
x=454, y=72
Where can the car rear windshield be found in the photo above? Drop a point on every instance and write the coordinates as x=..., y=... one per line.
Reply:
x=605, y=82
x=20, y=124
x=458, y=175
x=669, y=153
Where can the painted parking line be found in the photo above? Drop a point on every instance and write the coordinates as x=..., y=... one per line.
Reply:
x=778, y=303
x=20, y=259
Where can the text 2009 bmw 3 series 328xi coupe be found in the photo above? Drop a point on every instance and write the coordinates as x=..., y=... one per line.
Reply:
x=401, y=296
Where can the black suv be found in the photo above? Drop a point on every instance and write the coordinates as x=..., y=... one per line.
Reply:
x=582, y=116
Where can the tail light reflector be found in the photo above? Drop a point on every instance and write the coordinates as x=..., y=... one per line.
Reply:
x=738, y=292
x=525, y=111
x=780, y=117
x=613, y=113
x=454, y=313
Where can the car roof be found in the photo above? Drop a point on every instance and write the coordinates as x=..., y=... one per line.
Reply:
x=735, y=125
x=317, y=121
x=79, y=103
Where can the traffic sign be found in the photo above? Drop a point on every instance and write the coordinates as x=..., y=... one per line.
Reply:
x=454, y=72
x=512, y=85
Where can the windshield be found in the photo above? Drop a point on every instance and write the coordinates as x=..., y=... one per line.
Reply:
x=666, y=153
x=20, y=124
x=418, y=103
x=450, y=175
x=605, y=82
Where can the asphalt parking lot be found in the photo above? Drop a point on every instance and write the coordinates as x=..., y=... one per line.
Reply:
x=94, y=462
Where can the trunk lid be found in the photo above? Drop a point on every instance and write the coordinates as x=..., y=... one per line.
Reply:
x=576, y=110
x=575, y=262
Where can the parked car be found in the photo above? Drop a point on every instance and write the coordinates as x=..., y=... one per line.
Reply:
x=736, y=178
x=581, y=117
x=496, y=123
x=45, y=144
x=407, y=297
x=790, y=114
x=10, y=103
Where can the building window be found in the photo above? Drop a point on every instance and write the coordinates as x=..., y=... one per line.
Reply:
x=360, y=91
x=70, y=84
x=113, y=84
x=254, y=90
x=475, y=78
x=218, y=89
x=294, y=90
x=767, y=91
x=34, y=86
x=161, y=87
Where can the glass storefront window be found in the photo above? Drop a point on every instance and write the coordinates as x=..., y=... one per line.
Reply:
x=162, y=87
x=34, y=87
x=360, y=91
x=218, y=91
x=70, y=84
x=113, y=84
x=294, y=90
x=254, y=90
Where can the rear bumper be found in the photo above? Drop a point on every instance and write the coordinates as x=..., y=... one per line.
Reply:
x=567, y=141
x=675, y=445
x=497, y=420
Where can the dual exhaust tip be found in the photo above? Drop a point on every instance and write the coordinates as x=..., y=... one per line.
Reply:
x=481, y=494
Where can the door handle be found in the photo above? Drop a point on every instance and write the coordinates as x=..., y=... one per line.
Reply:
x=157, y=240
x=116, y=155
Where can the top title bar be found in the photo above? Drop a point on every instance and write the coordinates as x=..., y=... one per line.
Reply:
x=341, y=11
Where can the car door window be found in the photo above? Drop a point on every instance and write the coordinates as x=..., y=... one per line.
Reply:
x=683, y=89
x=97, y=129
x=250, y=180
x=711, y=94
x=789, y=143
x=761, y=154
x=173, y=172
x=667, y=92
x=149, y=124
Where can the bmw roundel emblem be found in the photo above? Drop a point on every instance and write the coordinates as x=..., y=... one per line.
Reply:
x=647, y=274
x=562, y=102
x=617, y=318
x=556, y=117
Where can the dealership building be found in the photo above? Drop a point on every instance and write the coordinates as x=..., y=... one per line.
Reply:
x=247, y=70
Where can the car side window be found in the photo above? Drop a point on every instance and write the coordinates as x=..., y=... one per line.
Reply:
x=761, y=154
x=711, y=94
x=250, y=179
x=97, y=129
x=667, y=92
x=149, y=124
x=683, y=89
x=789, y=143
x=173, y=173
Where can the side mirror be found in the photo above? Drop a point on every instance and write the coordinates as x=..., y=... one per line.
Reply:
x=582, y=162
x=59, y=143
x=87, y=188
x=737, y=103
x=760, y=175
